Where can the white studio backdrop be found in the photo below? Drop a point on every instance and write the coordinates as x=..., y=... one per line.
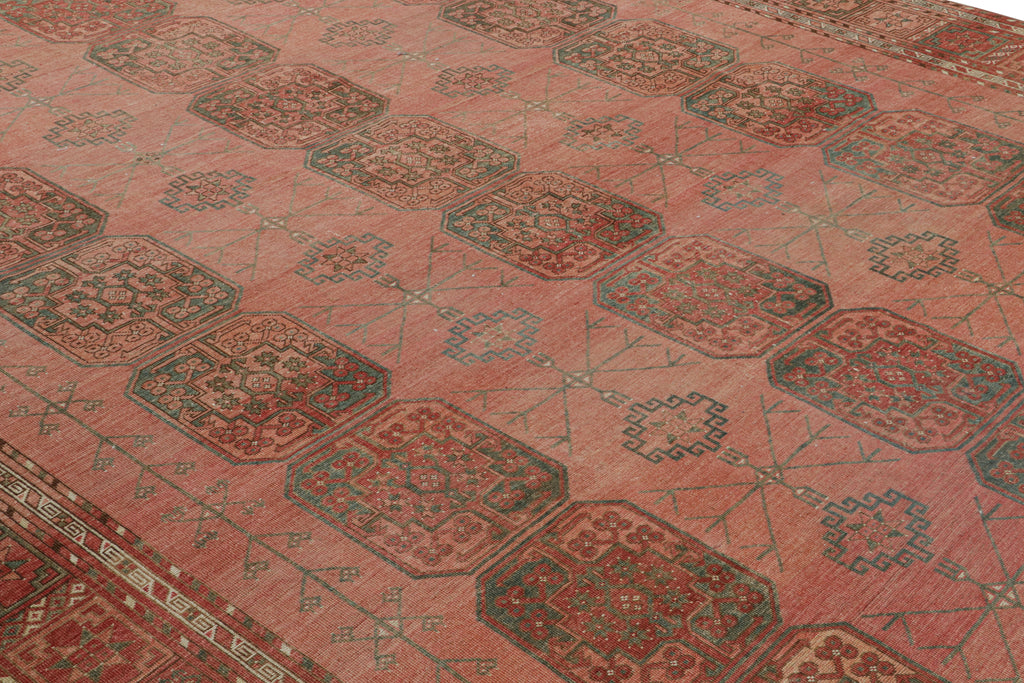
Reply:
x=1009, y=8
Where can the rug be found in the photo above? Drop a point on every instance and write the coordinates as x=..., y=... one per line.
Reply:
x=436, y=341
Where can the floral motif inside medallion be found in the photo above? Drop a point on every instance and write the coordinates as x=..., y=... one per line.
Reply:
x=553, y=225
x=413, y=162
x=181, y=54
x=719, y=299
x=778, y=104
x=527, y=23
x=428, y=487
x=38, y=217
x=896, y=379
x=877, y=532
x=259, y=387
x=607, y=592
x=294, y=105
x=938, y=160
x=676, y=427
x=835, y=652
x=115, y=300
x=81, y=20
x=646, y=56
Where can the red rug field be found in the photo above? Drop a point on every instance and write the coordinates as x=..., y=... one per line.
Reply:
x=419, y=341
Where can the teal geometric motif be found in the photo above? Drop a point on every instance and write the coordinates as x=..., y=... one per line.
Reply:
x=879, y=537
x=500, y=336
x=207, y=190
x=742, y=190
x=345, y=258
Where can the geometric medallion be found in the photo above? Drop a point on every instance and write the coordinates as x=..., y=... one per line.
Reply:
x=914, y=256
x=778, y=104
x=607, y=592
x=38, y=217
x=527, y=23
x=878, y=532
x=412, y=162
x=427, y=487
x=180, y=54
x=115, y=300
x=14, y=73
x=896, y=379
x=500, y=336
x=746, y=189
x=1007, y=209
x=837, y=653
x=259, y=387
x=926, y=156
x=675, y=427
x=81, y=20
x=553, y=225
x=293, y=105
x=716, y=298
x=645, y=56
x=998, y=461
x=88, y=128
x=201, y=190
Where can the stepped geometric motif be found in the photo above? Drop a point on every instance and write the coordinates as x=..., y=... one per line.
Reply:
x=527, y=23
x=938, y=160
x=896, y=379
x=413, y=162
x=38, y=217
x=79, y=21
x=778, y=104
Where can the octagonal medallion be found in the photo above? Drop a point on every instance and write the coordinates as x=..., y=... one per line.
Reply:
x=38, y=217
x=714, y=297
x=527, y=23
x=115, y=300
x=288, y=105
x=427, y=487
x=553, y=225
x=607, y=592
x=259, y=387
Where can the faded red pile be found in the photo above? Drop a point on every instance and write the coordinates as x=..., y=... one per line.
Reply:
x=511, y=340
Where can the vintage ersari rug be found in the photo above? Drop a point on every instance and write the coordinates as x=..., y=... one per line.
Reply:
x=511, y=340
